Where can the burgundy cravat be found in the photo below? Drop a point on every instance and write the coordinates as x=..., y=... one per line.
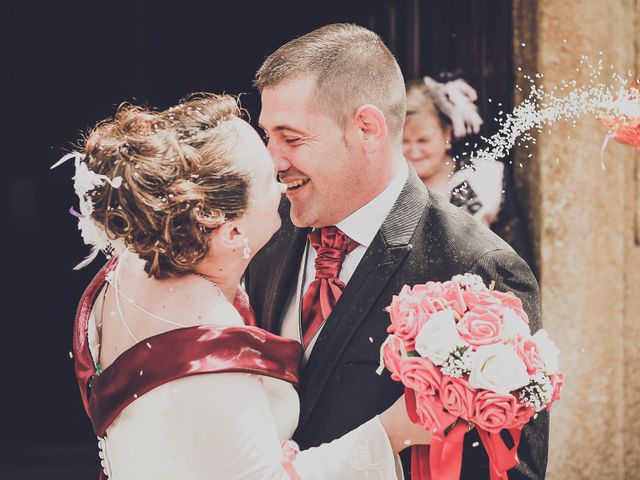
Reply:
x=332, y=246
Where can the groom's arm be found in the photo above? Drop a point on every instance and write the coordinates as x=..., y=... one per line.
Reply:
x=511, y=273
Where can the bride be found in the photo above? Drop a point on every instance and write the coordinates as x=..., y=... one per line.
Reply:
x=176, y=378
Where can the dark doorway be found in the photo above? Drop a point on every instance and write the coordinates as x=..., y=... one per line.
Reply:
x=68, y=64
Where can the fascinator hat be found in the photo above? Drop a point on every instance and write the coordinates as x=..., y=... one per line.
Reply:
x=474, y=186
x=456, y=100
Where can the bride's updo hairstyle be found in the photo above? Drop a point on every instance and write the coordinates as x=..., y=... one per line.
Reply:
x=180, y=180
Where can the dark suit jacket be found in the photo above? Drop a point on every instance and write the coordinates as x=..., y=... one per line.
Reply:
x=423, y=238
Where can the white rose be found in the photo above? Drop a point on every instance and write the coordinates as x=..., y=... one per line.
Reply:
x=548, y=351
x=497, y=368
x=513, y=326
x=438, y=337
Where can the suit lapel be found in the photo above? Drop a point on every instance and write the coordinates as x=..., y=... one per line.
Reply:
x=385, y=254
x=289, y=247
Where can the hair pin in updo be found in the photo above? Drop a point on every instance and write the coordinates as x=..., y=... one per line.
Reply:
x=213, y=219
x=126, y=150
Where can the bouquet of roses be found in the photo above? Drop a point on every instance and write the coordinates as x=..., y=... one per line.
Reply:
x=467, y=359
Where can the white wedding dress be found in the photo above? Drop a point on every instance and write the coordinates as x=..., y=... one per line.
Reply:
x=230, y=426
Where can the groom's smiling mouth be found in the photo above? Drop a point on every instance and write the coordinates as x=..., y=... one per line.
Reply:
x=295, y=184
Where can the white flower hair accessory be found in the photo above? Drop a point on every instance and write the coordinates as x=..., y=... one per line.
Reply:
x=456, y=99
x=84, y=182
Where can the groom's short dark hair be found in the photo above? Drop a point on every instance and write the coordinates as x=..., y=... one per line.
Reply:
x=352, y=66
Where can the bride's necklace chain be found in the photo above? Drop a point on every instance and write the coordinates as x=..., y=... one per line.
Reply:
x=210, y=280
x=119, y=294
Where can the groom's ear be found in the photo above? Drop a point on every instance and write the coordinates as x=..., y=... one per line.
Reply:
x=372, y=127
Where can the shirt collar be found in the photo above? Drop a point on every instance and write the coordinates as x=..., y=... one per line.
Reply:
x=363, y=224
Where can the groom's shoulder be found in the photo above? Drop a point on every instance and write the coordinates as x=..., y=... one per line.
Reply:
x=454, y=233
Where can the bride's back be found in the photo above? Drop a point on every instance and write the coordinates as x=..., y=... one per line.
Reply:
x=175, y=182
x=137, y=306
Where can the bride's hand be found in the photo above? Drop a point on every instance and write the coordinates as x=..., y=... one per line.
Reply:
x=402, y=432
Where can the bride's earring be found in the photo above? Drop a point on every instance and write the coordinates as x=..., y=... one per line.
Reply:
x=246, y=251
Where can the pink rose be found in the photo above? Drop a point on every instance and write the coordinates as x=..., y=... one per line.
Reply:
x=557, y=381
x=392, y=358
x=522, y=416
x=457, y=397
x=454, y=296
x=509, y=299
x=433, y=304
x=407, y=317
x=481, y=326
x=493, y=411
x=484, y=299
x=429, y=289
x=530, y=354
x=431, y=296
x=431, y=413
x=421, y=375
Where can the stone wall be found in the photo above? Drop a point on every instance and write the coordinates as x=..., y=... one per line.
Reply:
x=583, y=222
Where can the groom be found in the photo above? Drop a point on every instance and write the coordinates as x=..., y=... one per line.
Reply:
x=358, y=224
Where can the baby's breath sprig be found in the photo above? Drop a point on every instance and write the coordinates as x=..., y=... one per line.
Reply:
x=538, y=393
x=458, y=363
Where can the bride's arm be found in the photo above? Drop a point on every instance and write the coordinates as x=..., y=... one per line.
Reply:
x=367, y=450
x=363, y=453
x=220, y=426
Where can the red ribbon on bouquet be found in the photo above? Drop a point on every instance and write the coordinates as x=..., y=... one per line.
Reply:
x=442, y=460
x=501, y=458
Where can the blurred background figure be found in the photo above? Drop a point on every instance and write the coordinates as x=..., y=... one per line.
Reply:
x=442, y=118
x=439, y=114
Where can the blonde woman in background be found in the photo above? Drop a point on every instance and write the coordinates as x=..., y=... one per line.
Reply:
x=439, y=114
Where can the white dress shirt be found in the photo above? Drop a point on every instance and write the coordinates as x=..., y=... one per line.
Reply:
x=361, y=226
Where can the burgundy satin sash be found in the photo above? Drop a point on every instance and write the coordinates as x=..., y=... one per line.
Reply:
x=172, y=355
